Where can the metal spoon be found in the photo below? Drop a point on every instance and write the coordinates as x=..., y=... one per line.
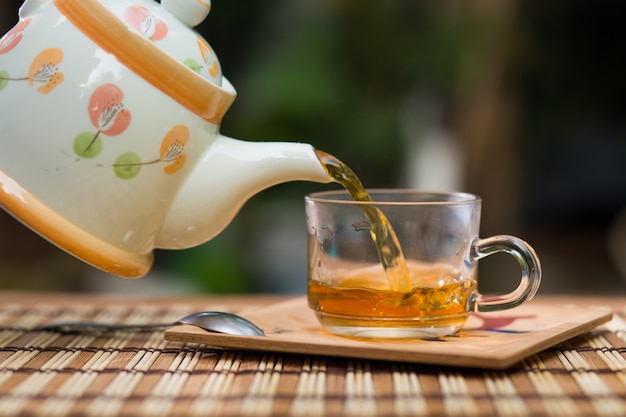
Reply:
x=212, y=321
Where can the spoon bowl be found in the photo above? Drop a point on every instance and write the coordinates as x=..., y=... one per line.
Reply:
x=220, y=322
x=211, y=321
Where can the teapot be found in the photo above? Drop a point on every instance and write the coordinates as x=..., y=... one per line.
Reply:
x=109, y=130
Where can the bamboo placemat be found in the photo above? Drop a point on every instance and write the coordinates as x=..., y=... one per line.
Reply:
x=135, y=374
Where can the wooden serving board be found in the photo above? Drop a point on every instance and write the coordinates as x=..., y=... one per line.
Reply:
x=488, y=340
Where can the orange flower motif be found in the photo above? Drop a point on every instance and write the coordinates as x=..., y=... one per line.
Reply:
x=128, y=165
x=44, y=70
x=173, y=147
x=13, y=37
x=208, y=56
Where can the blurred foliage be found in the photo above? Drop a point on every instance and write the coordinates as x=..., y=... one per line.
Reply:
x=336, y=73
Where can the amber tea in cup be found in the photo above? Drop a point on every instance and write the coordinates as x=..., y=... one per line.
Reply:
x=429, y=288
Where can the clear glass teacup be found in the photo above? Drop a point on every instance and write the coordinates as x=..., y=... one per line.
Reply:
x=433, y=293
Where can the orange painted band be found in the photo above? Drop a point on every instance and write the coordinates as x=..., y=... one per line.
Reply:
x=68, y=236
x=173, y=78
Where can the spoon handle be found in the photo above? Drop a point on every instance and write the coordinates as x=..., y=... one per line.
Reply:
x=96, y=327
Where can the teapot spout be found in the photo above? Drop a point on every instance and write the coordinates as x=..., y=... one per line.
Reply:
x=228, y=174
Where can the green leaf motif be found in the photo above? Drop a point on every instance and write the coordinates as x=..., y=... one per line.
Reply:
x=127, y=165
x=193, y=64
x=4, y=79
x=87, y=145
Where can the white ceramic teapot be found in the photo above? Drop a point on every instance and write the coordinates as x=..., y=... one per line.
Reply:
x=109, y=131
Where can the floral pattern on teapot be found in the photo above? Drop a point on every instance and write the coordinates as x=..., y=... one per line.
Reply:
x=106, y=109
x=44, y=71
x=172, y=153
x=208, y=58
x=13, y=37
x=146, y=23
x=108, y=115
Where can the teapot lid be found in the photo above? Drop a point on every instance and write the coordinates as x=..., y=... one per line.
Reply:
x=156, y=42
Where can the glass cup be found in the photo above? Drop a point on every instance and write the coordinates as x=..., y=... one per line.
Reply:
x=428, y=294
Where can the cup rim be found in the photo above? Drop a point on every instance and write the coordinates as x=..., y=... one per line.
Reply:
x=441, y=198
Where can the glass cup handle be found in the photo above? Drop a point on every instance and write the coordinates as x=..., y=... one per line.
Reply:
x=528, y=261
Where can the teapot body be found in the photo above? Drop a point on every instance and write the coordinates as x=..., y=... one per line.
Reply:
x=98, y=141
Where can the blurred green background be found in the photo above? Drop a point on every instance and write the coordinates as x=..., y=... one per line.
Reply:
x=521, y=102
